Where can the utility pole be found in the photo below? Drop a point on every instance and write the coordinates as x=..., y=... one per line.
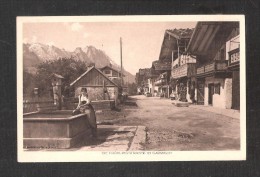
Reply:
x=179, y=62
x=121, y=62
x=172, y=58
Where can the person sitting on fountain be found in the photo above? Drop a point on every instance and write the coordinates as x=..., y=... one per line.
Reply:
x=85, y=107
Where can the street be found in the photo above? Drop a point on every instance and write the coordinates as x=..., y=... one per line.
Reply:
x=172, y=128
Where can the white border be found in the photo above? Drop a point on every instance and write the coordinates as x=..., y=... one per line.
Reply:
x=96, y=156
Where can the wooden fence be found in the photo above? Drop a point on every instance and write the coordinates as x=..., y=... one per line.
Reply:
x=33, y=105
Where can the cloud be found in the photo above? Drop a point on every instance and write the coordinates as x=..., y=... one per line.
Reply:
x=85, y=35
x=76, y=27
x=73, y=26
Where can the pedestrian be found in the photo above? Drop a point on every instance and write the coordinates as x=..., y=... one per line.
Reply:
x=85, y=107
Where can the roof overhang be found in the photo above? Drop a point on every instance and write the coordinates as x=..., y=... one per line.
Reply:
x=171, y=41
x=204, y=34
x=110, y=67
x=169, y=45
x=202, y=37
x=56, y=76
x=89, y=69
x=161, y=65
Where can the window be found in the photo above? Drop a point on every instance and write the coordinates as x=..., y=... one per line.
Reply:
x=107, y=71
x=217, y=88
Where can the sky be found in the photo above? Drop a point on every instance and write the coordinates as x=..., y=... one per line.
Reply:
x=141, y=40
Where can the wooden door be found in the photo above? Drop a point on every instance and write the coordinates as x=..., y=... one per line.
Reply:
x=211, y=92
x=200, y=92
x=183, y=91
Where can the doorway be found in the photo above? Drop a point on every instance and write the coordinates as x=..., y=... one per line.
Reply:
x=211, y=92
x=200, y=94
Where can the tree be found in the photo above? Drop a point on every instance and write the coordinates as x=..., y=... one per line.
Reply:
x=66, y=67
x=28, y=83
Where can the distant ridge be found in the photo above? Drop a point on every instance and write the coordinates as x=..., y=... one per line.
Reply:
x=35, y=53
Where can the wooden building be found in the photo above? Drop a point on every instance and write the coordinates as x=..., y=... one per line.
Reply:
x=184, y=78
x=113, y=74
x=233, y=48
x=214, y=79
x=151, y=79
x=141, y=79
x=161, y=71
x=98, y=85
x=174, y=45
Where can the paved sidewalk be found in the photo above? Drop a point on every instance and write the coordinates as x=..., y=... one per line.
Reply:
x=117, y=138
x=226, y=112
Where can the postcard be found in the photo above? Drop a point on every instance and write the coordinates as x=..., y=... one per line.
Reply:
x=131, y=88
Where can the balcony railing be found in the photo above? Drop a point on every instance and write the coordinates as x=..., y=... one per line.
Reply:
x=160, y=82
x=186, y=70
x=215, y=66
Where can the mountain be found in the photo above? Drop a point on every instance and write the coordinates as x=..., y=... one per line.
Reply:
x=35, y=53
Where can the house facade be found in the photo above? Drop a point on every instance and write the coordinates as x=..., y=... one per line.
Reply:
x=151, y=80
x=98, y=85
x=233, y=57
x=113, y=74
x=209, y=43
x=184, y=78
x=158, y=80
x=183, y=68
x=161, y=72
x=142, y=80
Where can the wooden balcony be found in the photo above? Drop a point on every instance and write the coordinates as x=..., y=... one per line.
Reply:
x=217, y=66
x=186, y=70
x=160, y=82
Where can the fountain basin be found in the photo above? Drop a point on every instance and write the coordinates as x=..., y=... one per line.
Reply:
x=55, y=129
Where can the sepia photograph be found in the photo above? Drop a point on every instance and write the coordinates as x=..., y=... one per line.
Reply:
x=131, y=88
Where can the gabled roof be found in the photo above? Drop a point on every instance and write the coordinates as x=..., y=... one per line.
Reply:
x=57, y=76
x=162, y=65
x=89, y=69
x=180, y=33
x=173, y=38
x=110, y=67
x=144, y=71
